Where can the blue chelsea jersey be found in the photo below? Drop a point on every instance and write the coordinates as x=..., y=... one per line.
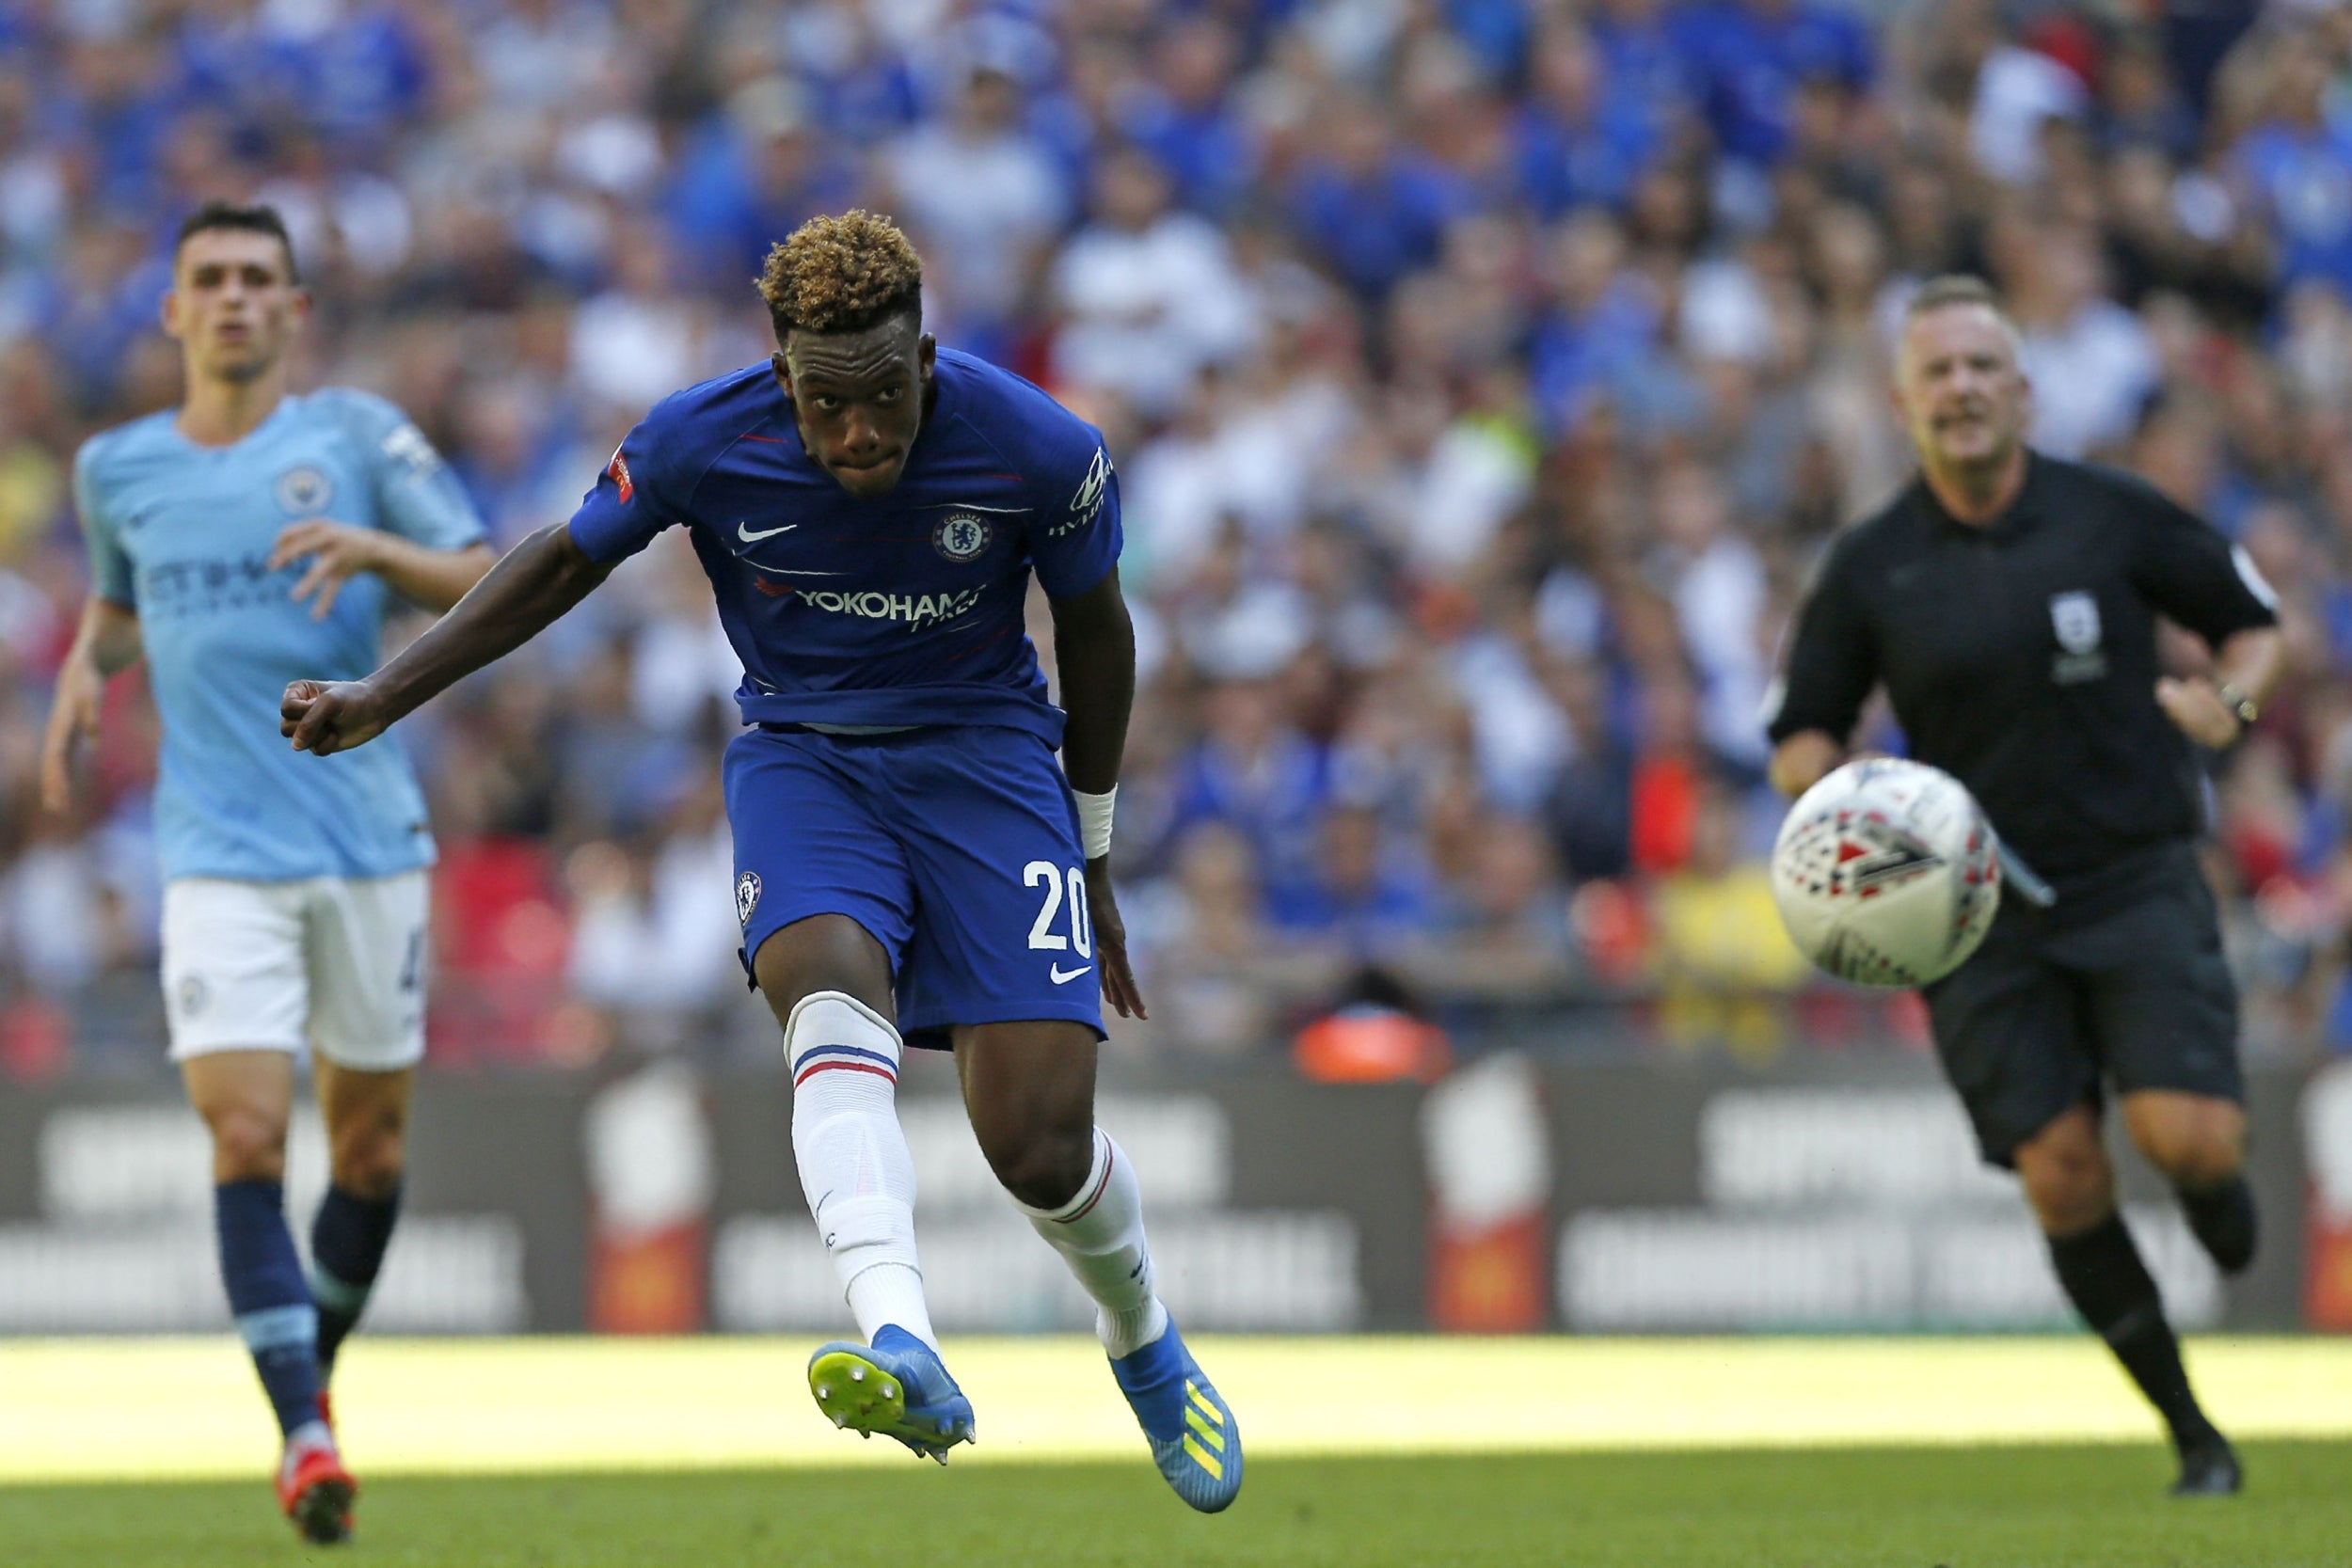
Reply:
x=182, y=533
x=903, y=610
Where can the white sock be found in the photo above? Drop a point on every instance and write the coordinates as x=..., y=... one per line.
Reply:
x=1098, y=1233
x=855, y=1168
x=308, y=1436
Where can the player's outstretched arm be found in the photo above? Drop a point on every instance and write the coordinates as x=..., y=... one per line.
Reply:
x=1094, y=651
x=106, y=644
x=528, y=591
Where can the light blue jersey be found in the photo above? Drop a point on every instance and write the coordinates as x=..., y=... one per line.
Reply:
x=181, y=534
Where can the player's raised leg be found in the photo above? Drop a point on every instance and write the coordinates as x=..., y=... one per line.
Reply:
x=246, y=1097
x=827, y=980
x=2198, y=1142
x=1029, y=1089
x=2071, y=1185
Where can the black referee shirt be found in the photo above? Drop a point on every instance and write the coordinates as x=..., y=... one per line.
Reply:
x=2021, y=655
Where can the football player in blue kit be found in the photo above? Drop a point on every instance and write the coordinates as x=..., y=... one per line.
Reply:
x=911, y=866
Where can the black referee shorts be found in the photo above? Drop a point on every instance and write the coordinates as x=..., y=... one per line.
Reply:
x=2122, y=982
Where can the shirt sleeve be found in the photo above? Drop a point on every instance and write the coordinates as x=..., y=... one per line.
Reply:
x=111, y=576
x=2192, y=574
x=631, y=500
x=417, y=495
x=1078, y=536
x=1833, y=660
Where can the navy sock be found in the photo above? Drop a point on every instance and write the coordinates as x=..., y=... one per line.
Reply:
x=347, y=1243
x=269, y=1296
x=2224, y=1220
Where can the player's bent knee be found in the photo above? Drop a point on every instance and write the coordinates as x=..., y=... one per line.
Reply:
x=2205, y=1161
x=2194, y=1142
x=2068, y=1183
x=247, y=1146
x=1043, y=1168
x=370, y=1166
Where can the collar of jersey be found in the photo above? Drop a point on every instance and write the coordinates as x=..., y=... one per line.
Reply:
x=280, y=410
x=2010, y=524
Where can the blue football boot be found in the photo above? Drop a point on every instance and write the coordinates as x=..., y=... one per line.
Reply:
x=1195, y=1439
x=897, y=1386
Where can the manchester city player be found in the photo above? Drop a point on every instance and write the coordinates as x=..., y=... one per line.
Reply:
x=911, y=865
x=235, y=542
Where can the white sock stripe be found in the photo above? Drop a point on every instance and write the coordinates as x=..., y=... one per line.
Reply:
x=875, y=1033
x=338, y=1295
x=279, y=1327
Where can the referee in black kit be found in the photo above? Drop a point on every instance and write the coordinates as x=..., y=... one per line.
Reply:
x=2008, y=602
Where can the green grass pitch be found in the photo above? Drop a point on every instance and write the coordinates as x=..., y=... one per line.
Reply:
x=2088, y=1506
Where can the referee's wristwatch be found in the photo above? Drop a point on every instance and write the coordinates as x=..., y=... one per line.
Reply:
x=2239, y=703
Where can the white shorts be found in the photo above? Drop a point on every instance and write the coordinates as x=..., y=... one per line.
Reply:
x=336, y=962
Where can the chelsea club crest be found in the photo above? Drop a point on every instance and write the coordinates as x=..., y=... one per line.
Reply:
x=746, y=896
x=961, y=536
x=303, y=492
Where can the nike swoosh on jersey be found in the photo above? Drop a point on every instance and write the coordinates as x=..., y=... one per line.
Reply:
x=743, y=531
x=1062, y=979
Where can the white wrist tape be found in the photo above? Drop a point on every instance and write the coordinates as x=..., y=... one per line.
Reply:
x=1094, y=821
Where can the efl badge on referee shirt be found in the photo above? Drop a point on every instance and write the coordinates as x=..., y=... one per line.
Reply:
x=746, y=896
x=2074, y=616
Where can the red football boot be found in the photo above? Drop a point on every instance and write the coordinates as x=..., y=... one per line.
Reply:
x=316, y=1491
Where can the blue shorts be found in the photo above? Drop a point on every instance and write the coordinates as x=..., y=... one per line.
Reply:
x=956, y=847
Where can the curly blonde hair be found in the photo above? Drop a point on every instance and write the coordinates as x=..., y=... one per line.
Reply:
x=842, y=273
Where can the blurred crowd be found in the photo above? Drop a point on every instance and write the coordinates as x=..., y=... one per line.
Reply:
x=1483, y=377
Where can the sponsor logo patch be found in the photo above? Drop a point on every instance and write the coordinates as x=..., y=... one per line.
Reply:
x=617, y=470
x=407, y=447
x=1087, y=504
x=917, y=611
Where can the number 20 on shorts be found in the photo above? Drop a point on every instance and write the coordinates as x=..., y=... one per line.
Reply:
x=1045, y=874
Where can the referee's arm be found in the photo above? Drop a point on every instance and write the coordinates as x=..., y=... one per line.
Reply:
x=1833, y=664
x=2213, y=587
x=1803, y=760
x=2246, y=666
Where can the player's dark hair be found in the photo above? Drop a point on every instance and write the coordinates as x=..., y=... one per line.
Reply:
x=259, y=218
x=1953, y=288
x=841, y=274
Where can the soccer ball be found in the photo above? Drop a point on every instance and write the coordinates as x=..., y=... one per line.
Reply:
x=1886, y=872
